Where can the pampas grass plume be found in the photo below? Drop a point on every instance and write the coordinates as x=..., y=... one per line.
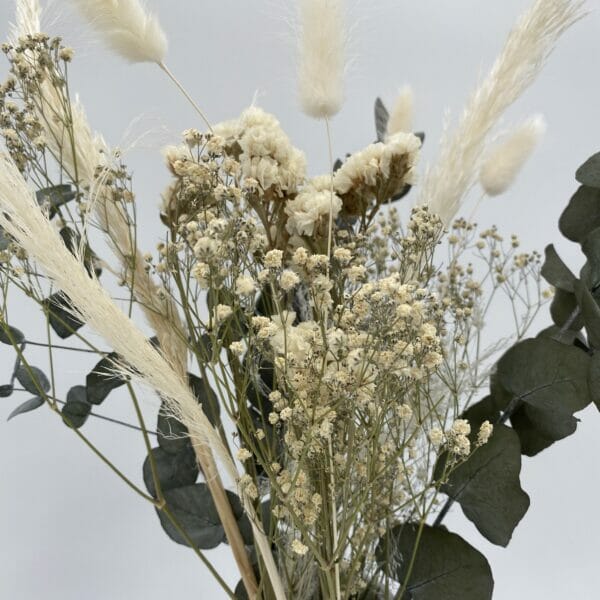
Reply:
x=321, y=57
x=504, y=162
x=525, y=52
x=127, y=27
x=28, y=20
x=401, y=116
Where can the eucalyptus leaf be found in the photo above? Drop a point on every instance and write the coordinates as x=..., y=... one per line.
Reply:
x=12, y=336
x=590, y=312
x=538, y=429
x=582, y=214
x=60, y=314
x=590, y=273
x=487, y=485
x=27, y=406
x=382, y=116
x=102, y=379
x=594, y=378
x=77, y=408
x=32, y=379
x=194, y=509
x=589, y=172
x=206, y=398
x=564, y=308
x=445, y=567
x=56, y=196
x=555, y=272
x=6, y=390
x=172, y=433
x=72, y=240
x=548, y=381
x=173, y=470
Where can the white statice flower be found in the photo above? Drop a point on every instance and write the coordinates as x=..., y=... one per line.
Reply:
x=405, y=412
x=485, y=431
x=299, y=548
x=273, y=259
x=288, y=280
x=237, y=348
x=436, y=436
x=461, y=427
x=243, y=454
x=311, y=208
x=379, y=172
x=222, y=312
x=267, y=159
x=342, y=255
x=245, y=285
x=287, y=340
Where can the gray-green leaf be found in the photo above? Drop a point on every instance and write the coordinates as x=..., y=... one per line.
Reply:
x=555, y=272
x=589, y=172
x=550, y=382
x=27, y=406
x=445, y=566
x=32, y=379
x=173, y=470
x=12, y=336
x=488, y=488
x=582, y=214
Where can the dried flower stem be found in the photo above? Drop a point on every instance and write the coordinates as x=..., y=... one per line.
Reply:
x=172, y=77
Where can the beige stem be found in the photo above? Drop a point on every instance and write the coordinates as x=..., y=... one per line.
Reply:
x=232, y=531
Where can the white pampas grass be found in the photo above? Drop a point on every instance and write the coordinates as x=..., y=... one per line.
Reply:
x=127, y=27
x=28, y=20
x=401, y=116
x=525, y=52
x=321, y=57
x=504, y=162
x=22, y=218
x=80, y=153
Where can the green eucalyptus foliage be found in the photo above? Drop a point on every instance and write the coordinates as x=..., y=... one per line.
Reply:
x=487, y=485
x=102, y=379
x=55, y=197
x=77, y=408
x=430, y=563
x=194, y=510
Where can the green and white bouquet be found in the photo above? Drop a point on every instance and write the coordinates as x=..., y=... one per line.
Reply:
x=327, y=387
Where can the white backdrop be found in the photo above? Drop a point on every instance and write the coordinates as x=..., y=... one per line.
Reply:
x=69, y=529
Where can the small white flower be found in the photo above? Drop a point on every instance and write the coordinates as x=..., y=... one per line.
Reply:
x=299, y=548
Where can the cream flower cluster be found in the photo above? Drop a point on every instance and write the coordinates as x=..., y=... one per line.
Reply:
x=379, y=171
x=309, y=211
x=264, y=151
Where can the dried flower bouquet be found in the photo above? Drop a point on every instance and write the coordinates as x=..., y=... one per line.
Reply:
x=319, y=350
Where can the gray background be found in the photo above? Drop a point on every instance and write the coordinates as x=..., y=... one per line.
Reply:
x=68, y=529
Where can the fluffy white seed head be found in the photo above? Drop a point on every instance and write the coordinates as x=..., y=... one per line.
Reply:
x=127, y=27
x=525, y=52
x=504, y=161
x=321, y=57
x=401, y=117
x=28, y=15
